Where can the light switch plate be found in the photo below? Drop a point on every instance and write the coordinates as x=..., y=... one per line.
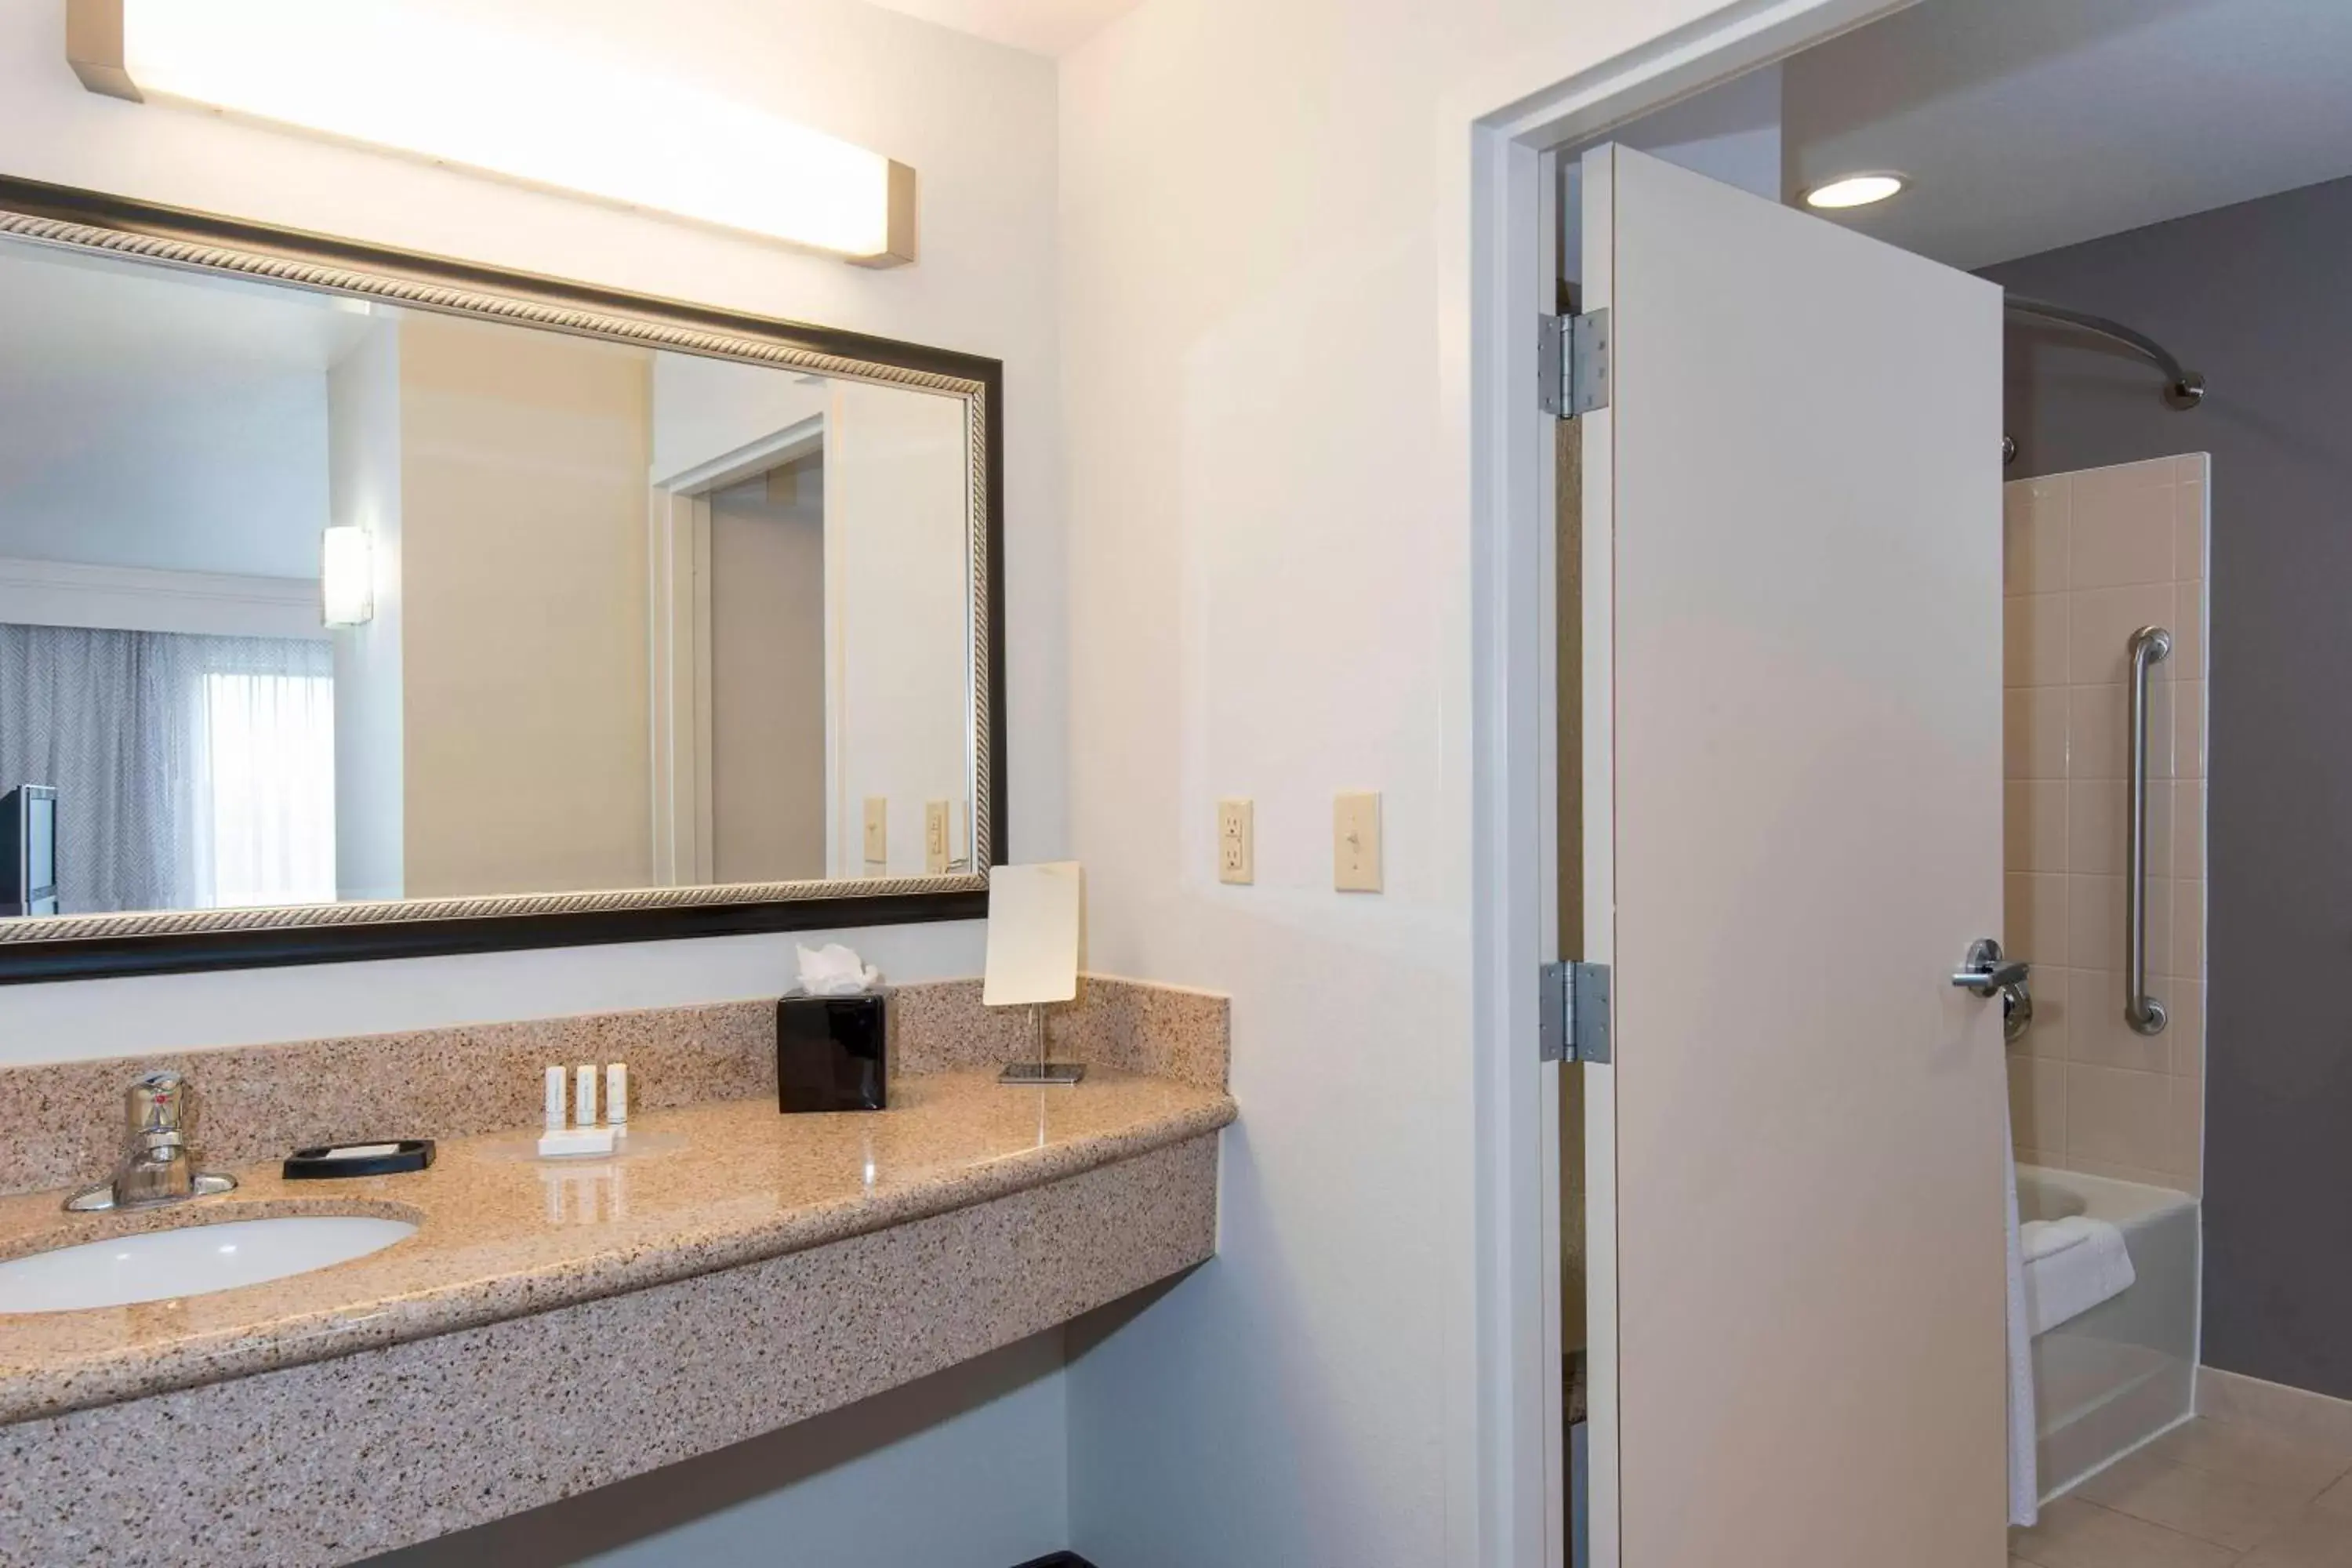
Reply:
x=1356, y=843
x=1237, y=842
x=935, y=837
x=878, y=830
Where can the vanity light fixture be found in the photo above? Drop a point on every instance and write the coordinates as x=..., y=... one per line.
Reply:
x=413, y=81
x=1854, y=190
x=346, y=577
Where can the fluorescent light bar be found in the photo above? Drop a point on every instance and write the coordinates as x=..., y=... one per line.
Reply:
x=1854, y=191
x=409, y=80
x=346, y=577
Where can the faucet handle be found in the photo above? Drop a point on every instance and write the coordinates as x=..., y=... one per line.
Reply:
x=156, y=1103
x=157, y=1164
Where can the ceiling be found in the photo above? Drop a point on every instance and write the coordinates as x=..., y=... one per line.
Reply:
x=83, y=315
x=159, y=419
x=1040, y=26
x=2025, y=125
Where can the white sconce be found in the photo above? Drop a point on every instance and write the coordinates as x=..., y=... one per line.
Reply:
x=410, y=81
x=346, y=577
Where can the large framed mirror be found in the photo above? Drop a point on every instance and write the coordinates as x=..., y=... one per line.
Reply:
x=356, y=603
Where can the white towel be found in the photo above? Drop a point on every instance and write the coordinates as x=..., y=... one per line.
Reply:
x=2048, y=1237
x=2024, y=1485
x=2084, y=1262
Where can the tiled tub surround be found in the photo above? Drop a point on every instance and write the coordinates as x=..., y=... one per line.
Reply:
x=553, y=1328
x=2091, y=557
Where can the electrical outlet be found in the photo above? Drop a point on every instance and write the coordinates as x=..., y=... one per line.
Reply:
x=935, y=837
x=1237, y=842
x=1356, y=843
x=877, y=831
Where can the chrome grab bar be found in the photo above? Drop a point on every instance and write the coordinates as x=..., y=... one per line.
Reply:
x=2144, y=1012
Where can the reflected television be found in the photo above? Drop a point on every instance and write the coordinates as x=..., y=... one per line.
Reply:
x=29, y=851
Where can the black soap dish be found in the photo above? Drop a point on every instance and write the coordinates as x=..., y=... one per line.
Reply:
x=389, y=1158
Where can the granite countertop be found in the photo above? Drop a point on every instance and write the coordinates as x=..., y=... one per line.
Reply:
x=503, y=1234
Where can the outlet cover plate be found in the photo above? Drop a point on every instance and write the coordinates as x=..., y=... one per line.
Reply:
x=936, y=850
x=1237, y=842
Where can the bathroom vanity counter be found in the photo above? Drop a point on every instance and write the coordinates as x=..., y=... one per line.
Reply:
x=503, y=1234
x=552, y=1327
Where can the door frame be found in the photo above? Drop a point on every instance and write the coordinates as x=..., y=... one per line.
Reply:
x=678, y=545
x=1518, y=128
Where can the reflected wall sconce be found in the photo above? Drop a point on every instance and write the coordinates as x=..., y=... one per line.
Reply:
x=346, y=577
x=413, y=81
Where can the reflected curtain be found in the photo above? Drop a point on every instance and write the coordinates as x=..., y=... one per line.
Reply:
x=192, y=772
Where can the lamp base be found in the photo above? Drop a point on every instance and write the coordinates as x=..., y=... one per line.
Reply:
x=1041, y=1072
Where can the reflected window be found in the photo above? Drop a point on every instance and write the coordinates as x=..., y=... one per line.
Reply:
x=182, y=770
x=266, y=793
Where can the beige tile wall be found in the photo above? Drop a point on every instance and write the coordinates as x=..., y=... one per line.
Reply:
x=2090, y=557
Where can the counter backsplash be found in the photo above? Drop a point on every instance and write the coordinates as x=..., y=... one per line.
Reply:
x=61, y=1123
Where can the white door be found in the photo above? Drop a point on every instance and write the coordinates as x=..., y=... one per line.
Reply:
x=1793, y=761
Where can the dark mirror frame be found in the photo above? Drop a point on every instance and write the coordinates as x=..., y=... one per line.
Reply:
x=65, y=947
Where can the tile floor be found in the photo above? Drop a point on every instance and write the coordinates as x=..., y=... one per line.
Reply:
x=2210, y=1494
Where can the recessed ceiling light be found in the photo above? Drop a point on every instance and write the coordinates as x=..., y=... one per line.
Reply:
x=1853, y=191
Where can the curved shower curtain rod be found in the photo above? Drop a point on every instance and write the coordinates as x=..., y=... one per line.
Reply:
x=2183, y=388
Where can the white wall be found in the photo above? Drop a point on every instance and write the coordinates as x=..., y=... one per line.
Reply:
x=975, y=121
x=960, y=1469
x=981, y=1484
x=363, y=487
x=897, y=558
x=525, y=606
x=1267, y=264
x=149, y=421
x=705, y=409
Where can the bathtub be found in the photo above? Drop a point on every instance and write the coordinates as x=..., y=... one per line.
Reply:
x=2111, y=1379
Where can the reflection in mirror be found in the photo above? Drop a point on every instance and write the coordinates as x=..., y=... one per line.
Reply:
x=307, y=598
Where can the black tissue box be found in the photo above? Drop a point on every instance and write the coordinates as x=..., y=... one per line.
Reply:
x=831, y=1053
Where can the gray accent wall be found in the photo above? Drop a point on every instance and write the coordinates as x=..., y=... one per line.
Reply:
x=2259, y=296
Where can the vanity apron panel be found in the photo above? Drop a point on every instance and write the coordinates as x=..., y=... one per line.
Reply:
x=334, y=1460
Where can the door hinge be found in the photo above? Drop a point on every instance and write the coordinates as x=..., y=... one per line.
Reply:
x=1576, y=1025
x=1573, y=363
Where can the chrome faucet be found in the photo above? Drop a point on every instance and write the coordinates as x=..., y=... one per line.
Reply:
x=158, y=1165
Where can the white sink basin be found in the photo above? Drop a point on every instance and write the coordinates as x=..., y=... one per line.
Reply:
x=193, y=1260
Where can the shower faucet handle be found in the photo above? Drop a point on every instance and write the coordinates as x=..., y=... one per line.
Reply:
x=1987, y=972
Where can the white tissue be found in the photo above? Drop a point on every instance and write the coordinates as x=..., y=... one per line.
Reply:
x=833, y=970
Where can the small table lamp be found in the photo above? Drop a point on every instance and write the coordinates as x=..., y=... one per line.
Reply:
x=1033, y=954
